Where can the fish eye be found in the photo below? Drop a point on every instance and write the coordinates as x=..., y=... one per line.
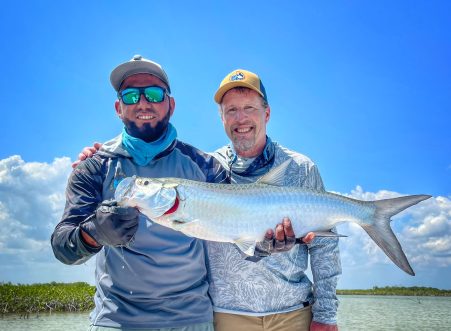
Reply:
x=146, y=182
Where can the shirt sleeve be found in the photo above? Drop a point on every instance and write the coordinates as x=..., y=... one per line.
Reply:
x=83, y=194
x=325, y=265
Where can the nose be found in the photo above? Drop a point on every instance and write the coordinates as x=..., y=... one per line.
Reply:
x=240, y=114
x=143, y=103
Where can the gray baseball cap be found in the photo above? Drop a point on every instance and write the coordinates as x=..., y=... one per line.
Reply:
x=137, y=65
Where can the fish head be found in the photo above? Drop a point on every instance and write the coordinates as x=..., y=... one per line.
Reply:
x=152, y=196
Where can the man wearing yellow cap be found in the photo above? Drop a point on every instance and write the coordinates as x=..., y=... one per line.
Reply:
x=275, y=293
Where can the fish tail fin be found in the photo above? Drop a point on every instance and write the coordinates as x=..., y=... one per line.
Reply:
x=381, y=232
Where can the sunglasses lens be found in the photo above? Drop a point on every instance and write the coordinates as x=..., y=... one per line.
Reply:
x=154, y=94
x=130, y=96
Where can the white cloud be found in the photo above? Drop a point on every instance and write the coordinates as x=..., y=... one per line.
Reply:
x=424, y=231
x=31, y=204
x=32, y=201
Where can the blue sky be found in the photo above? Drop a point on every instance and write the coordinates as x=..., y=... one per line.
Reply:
x=361, y=87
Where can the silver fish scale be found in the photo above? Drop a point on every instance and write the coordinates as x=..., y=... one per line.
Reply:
x=242, y=213
x=223, y=212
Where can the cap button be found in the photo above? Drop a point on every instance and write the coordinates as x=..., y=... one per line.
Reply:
x=137, y=57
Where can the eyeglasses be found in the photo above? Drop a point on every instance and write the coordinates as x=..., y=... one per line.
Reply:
x=233, y=111
x=131, y=95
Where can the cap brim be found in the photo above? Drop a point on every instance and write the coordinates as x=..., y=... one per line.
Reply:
x=230, y=85
x=127, y=69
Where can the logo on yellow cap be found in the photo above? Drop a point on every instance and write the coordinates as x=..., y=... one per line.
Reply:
x=238, y=76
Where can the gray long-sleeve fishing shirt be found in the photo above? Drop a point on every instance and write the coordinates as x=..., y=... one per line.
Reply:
x=277, y=283
x=159, y=280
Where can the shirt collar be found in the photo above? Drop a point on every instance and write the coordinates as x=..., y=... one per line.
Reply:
x=259, y=164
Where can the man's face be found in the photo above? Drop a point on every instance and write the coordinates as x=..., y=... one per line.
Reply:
x=244, y=117
x=145, y=120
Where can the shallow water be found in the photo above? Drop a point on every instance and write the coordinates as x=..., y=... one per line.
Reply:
x=46, y=322
x=356, y=312
x=361, y=312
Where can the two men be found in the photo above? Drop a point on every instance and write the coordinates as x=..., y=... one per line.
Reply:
x=246, y=295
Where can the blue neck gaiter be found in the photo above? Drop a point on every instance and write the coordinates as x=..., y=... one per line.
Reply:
x=143, y=152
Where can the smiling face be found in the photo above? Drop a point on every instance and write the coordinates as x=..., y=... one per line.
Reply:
x=244, y=117
x=145, y=120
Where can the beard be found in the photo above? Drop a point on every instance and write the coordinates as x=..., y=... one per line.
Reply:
x=243, y=145
x=147, y=132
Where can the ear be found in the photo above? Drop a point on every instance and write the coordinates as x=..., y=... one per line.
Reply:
x=221, y=114
x=171, y=105
x=117, y=106
x=267, y=114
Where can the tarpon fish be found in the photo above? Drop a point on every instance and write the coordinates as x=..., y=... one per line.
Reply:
x=242, y=213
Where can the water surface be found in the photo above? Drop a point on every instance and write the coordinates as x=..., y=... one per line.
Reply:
x=367, y=312
x=356, y=312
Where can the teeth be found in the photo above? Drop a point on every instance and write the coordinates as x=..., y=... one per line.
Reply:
x=146, y=117
x=243, y=130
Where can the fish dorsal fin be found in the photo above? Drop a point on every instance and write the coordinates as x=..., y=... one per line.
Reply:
x=276, y=175
x=246, y=245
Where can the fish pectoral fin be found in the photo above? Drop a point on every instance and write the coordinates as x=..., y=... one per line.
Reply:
x=276, y=176
x=328, y=234
x=246, y=245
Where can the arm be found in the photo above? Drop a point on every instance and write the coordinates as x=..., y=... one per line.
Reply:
x=326, y=268
x=83, y=194
x=87, y=224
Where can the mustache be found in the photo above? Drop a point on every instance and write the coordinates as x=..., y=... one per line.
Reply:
x=249, y=123
x=149, y=111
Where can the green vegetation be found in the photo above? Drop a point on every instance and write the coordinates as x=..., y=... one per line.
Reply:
x=74, y=297
x=53, y=297
x=397, y=290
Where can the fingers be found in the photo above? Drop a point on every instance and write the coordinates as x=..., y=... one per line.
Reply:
x=279, y=243
x=97, y=145
x=88, y=151
x=269, y=235
x=280, y=233
x=282, y=238
x=290, y=238
x=308, y=238
x=265, y=247
x=287, y=227
x=75, y=164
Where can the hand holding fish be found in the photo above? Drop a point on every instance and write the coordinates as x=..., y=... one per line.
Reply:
x=281, y=240
x=111, y=225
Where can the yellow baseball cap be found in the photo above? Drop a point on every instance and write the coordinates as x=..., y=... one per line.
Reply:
x=243, y=78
